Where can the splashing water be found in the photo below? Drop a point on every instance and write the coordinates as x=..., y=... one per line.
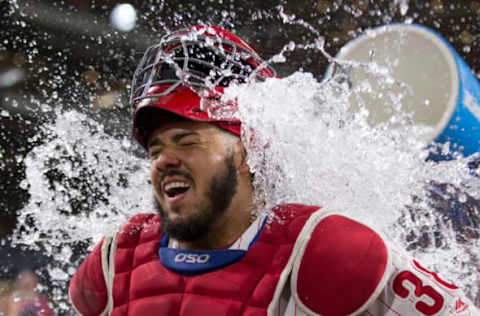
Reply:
x=305, y=145
x=83, y=184
x=69, y=176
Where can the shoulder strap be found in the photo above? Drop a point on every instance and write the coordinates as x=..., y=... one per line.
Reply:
x=129, y=235
x=108, y=266
x=294, y=220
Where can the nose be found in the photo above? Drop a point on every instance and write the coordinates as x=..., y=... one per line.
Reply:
x=166, y=159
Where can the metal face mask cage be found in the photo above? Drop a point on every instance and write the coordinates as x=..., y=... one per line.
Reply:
x=198, y=61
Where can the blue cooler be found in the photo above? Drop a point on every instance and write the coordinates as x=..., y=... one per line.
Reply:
x=436, y=87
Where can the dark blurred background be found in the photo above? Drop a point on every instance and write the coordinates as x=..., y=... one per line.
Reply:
x=72, y=54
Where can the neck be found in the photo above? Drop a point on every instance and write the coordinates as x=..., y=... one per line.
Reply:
x=229, y=227
x=224, y=232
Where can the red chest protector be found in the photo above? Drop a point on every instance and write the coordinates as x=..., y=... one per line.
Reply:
x=142, y=285
x=323, y=254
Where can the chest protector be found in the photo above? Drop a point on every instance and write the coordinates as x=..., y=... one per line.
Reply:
x=137, y=283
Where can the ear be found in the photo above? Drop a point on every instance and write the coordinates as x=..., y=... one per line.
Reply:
x=241, y=157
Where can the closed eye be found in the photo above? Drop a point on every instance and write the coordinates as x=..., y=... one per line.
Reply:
x=182, y=139
x=154, y=152
x=186, y=144
x=186, y=140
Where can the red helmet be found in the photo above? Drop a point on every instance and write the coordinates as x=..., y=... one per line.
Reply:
x=187, y=67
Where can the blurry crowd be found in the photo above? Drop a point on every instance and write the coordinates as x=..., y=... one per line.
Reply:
x=19, y=296
x=20, y=282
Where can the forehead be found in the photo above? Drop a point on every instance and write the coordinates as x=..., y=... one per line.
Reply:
x=173, y=127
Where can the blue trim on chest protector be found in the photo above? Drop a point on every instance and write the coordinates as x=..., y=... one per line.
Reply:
x=192, y=262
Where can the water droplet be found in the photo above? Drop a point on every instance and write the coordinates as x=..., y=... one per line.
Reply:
x=24, y=185
x=320, y=43
x=16, y=296
x=58, y=274
x=45, y=107
x=403, y=6
x=279, y=58
x=291, y=46
x=126, y=144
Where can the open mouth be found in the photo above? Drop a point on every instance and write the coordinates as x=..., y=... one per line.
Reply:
x=175, y=189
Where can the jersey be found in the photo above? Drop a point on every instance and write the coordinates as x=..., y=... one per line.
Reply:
x=332, y=266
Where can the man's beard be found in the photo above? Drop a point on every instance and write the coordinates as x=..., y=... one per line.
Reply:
x=196, y=225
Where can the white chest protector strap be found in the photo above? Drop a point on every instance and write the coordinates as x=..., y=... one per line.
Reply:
x=340, y=266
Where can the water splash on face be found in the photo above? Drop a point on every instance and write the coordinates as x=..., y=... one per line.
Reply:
x=306, y=145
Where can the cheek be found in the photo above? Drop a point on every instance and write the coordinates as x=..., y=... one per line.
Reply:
x=209, y=169
x=154, y=176
x=152, y=172
x=215, y=159
x=205, y=167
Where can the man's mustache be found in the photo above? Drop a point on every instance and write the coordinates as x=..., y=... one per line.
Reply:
x=175, y=172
